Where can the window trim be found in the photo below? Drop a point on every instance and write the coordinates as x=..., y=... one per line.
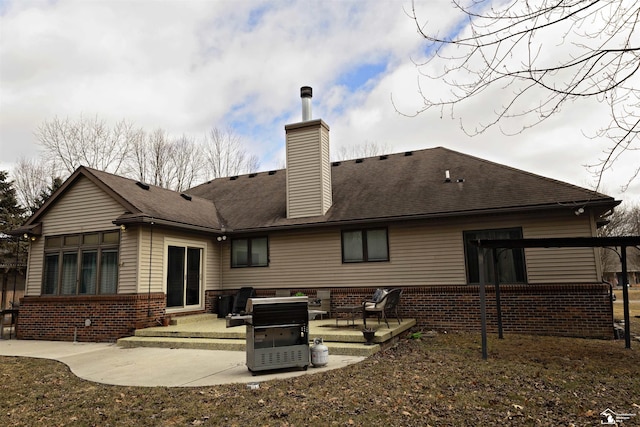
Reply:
x=490, y=279
x=249, y=261
x=78, y=250
x=365, y=251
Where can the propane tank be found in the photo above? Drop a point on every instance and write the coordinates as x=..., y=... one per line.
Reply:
x=319, y=353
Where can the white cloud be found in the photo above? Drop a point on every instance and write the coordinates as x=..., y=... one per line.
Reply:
x=187, y=66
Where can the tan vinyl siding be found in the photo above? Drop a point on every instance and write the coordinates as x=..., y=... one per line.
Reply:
x=308, y=171
x=128, y=258
x=151, y=257
x=426, y=253
x=34, y=268
x=562, y=265
x=162, y=238
x=327, y=198
x=83, y=208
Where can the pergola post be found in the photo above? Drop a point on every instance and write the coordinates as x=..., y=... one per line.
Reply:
x=496, y=281
x=625, y=298
x=483, y=302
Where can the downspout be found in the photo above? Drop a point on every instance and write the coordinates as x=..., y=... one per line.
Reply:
x=150, y=263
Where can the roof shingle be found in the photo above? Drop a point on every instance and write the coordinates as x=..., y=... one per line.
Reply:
x=396, y=186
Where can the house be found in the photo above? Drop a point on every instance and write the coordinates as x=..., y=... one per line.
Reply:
x=612, y=266
x=109, y=254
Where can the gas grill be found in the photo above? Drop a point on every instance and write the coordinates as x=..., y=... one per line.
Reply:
x=277, y=333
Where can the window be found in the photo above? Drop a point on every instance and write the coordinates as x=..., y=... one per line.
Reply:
x=511, y=265
x=369, y=245
x=250, y=252
x=81, y=264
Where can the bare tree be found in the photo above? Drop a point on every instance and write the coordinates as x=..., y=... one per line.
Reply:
x=31, y=178
x=225, y=155
x=155, y=157
x=622, y=222
x=88, y=142
x=161, y=152
x=366, y=149
x=158, y=159
x=542, y=55
x=188, y=163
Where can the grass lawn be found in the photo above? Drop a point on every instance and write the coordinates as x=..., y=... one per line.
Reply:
x=634, y=309
x=440, y=381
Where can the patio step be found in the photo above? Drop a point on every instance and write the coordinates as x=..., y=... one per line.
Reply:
x=335, y=348
x=207, y=332
x=203, y=317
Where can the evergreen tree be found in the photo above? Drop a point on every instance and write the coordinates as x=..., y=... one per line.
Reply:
x=11, y=217
x=45, y=194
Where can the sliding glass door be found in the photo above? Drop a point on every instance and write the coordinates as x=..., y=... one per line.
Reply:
x=184, y=272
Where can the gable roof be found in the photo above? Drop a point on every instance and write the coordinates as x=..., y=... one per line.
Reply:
x=141, y=203
x=398, y=186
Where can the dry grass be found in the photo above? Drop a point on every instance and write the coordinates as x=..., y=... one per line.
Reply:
x=433, y=381
x=634, y=309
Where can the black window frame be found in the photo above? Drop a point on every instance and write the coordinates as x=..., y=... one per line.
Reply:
x=250, y=263
x=471, y=255
x=58, y=246
x=364, y=239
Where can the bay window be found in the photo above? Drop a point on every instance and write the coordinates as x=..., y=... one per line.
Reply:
x=81, y=264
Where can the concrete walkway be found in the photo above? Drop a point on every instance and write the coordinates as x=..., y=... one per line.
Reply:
x=153, y=367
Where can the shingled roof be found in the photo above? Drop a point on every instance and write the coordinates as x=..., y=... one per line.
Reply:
x=141, y=203
x=394, y=187
x=401, y=186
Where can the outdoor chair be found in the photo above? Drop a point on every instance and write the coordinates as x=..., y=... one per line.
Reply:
x=383, y=302
x=241, y=298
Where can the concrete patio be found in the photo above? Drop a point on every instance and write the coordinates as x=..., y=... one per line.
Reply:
x=208, y=332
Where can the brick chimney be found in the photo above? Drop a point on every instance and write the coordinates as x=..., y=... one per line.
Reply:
x=308, y=164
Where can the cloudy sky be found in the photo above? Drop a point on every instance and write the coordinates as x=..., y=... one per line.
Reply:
x=187, y=66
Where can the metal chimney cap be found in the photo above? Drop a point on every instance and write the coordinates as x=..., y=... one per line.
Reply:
x=306, y=92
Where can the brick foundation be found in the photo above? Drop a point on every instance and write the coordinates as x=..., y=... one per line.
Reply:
x=557, y=310
x=569, y=310
x=112, y=317
x=560, y=310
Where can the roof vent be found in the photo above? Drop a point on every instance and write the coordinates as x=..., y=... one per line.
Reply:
x=359, y=160
x=336, y=163
x=460, y=180
x=306, y=93
x=142, y=185
x=185, y=196
x=272, y=172
x=233, y=178
x=253, y=175
x=408, y=153
x=447, y=176
x=384, y=157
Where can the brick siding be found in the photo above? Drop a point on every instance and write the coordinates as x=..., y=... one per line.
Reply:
x=112, y=317
x=561, y=310
x=557, y=310
x=570, y=310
